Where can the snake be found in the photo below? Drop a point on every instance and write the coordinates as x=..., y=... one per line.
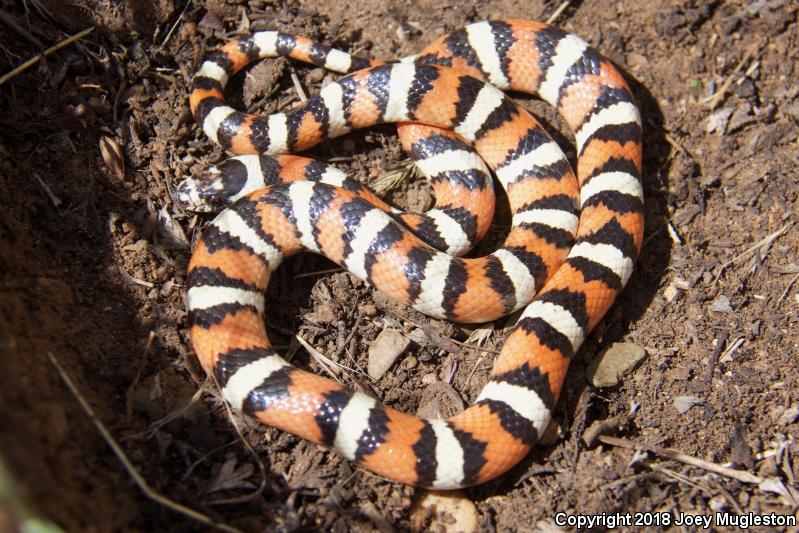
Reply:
x=573, y=243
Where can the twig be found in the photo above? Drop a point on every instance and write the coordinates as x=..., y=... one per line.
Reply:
x=298, y=86
x=721, y=343
x=787, y=290
x=330, y=366
x=715, y=99
x=765, y=241
x=175, y=25
x=35, y=59
x=123, y=458
x=559, y=11
x=677, y=145
x=680, y=478
x=53, y=198
x=740, y=475
x=319, y=272
x=431, y=330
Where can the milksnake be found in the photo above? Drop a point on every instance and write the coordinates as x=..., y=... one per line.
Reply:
x=572, y=246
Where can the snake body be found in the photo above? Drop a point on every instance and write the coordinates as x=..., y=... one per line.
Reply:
x=572, y=246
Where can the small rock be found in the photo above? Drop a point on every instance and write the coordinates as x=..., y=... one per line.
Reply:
x=718, y=121
x=671, y=293
x=718, y=505
x=211, y=21
x=440, y=401
x=684, y=403
x=316, y=75
x=419, y=337
x=674, y=289
x=138, y=246
x=745, y=89
x=607, y=369
x=680, y=373
x=789, y=416
x=721, y=304
x=323, y=314
x=436, y=511
x=384, y=351
x=637, y=61
x=172, y=236
x=410, y=362
x=429, y=379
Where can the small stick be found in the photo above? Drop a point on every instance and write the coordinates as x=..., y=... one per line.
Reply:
x=715, y=99
x=35, y=59
x=711, y=365
x=175, y=25
x=740, y=475
x=298, y=86
x=123, y=458
x=428, y=328
x=53, y=198
x=787, y=290
x=559, y=11
x=319, y=272
x=765, y=241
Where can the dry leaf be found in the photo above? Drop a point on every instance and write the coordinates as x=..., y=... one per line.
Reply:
x=231, y=477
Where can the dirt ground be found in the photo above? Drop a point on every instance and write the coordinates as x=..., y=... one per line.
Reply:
x=88, y=276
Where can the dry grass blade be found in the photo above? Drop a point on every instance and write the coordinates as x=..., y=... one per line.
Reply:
x=123, y=458
x=761, y=246
x=771, y=484
x=53, y=198
x=787, y=289
x=331, y=367
x=558, y=12
x=35, y=59
x=740, y=475
x=298, y=86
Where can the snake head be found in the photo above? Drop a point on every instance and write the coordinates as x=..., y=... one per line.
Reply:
x=213, y=188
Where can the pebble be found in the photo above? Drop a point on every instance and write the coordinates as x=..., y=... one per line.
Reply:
x=172, y=235
x=674, y=289
x=718, y=121
x=451, y=512
x=607, y=369
x=385, y=349
x=685, y=403
x=419, y=337
x=440, y=401
x=323, y=314
x=721, y=304
x=789, y=416
x=427, y=379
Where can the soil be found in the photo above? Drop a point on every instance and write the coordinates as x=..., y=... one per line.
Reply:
x=89, y=277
